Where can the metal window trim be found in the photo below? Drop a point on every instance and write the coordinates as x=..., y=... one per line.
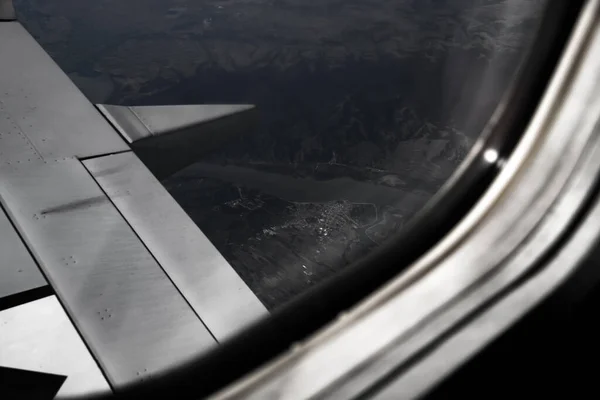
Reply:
x=500, y=223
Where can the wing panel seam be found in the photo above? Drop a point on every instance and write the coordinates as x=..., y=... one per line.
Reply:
x=148, y=250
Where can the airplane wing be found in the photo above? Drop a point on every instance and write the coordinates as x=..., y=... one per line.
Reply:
x=169, y=138
x=92, y=245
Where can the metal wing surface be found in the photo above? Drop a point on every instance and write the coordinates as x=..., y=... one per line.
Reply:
x=90, y=238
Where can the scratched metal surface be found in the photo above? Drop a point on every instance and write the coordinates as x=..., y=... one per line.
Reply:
x=38, y=336
x=18, y=271
x=40, y=102
x=212, y=287
x=134, y=320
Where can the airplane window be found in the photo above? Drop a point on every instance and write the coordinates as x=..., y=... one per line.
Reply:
x=365, y=109
x=247, y=172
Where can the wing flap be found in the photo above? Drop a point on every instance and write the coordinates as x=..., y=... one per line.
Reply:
x=218, y=295
x=134, y=320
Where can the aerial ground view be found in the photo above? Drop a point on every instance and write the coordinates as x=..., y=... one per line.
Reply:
x=366, y=108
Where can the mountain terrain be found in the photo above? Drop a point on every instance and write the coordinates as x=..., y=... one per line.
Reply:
x=366, y=108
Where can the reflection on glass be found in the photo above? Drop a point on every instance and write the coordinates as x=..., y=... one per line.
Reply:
x=367, y=107
x=490, y=155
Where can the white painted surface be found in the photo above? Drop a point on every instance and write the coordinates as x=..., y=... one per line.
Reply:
x=39, y=337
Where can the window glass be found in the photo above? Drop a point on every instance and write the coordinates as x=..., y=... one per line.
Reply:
x=366, y=108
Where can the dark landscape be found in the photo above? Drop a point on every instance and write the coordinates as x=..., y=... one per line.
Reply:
x=366, y=108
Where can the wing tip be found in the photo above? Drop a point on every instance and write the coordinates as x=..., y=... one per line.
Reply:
x=169, y=138
x=136, y=123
